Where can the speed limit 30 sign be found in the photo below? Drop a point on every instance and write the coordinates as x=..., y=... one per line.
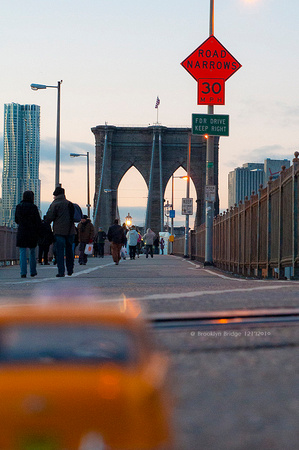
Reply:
x=211, y=92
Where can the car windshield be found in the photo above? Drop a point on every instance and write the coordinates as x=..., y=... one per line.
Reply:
x=67, y=342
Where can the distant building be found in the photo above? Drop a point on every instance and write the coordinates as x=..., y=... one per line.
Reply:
x=242, y=181
x=1, y=212
x=272, y=167
x=21, y=154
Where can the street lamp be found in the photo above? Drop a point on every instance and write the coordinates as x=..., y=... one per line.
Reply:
x=36, y=87
x=74, y=155
x=128, y=220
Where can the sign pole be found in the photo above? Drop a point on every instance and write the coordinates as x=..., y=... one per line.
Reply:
x=172, y=206
x=186, y=250
x=209, y=214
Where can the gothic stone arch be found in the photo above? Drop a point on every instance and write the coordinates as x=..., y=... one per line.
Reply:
x=156, y=152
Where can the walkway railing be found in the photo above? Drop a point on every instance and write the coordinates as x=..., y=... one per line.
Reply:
x=258, y=237
x=9, y=253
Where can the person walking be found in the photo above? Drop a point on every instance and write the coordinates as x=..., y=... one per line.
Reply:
x=156, y=245
x=28, y=220
x=148, y=238
x=138, y=248
x=123, y=252
x=132, y=238
x=162, y=245
x=116, y=237
x=85, y=236
x=61, y=213
x=99, y=240
x=44, y=241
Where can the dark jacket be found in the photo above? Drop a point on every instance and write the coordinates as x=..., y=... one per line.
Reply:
x=116, y=234
x=100, y=237
x=61, y=213
x=29, y=221
x=85, y=231
x=45, y=234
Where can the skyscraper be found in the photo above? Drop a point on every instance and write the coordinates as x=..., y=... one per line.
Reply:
x=20, y=157
x=242, y=181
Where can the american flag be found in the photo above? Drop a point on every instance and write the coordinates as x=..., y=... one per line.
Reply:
x=157, y=102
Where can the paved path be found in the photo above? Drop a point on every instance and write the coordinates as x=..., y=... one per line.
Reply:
x=164, y=283
x=235, y=387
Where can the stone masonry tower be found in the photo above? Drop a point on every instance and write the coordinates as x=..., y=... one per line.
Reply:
x=157, y=152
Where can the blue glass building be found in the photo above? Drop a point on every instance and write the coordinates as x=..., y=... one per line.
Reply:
x=21, y=155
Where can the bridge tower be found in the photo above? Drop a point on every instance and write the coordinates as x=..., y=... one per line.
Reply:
x=157, y=152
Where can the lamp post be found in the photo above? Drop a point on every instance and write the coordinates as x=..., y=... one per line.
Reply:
x=128, y=220
x=74, y=155
x=36, y=87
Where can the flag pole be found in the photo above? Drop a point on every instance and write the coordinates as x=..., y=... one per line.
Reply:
x=157, y=108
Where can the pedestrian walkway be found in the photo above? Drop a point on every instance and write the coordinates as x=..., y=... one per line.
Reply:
x=98, y=273
x=163, y=282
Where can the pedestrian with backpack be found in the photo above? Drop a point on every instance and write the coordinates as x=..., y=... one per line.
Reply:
x=61, y=213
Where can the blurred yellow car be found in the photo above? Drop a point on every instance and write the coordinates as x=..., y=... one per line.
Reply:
x=80, y=377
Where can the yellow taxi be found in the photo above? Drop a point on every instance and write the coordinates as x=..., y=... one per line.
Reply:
x=80, y=377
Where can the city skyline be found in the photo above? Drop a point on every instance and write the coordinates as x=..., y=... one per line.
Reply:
x=118, y=57
x=20, y=157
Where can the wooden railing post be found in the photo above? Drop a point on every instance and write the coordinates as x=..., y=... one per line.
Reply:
x=295, y=256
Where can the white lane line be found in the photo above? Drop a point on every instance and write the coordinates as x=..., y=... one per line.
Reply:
x=174, y=296
x=42, y=280
x=212, y=292
x=225, y=277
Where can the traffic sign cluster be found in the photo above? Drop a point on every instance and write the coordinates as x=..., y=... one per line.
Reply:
x=211, y=65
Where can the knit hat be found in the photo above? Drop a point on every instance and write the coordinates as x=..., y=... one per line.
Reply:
x=58, y=191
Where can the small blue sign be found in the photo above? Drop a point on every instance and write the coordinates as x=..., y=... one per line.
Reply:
x=172, y=213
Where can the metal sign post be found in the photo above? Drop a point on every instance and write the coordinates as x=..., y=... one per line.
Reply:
x=210, y=173
x=210, y=64
x=186, y=250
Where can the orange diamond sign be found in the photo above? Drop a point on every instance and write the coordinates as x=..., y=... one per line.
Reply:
x=211, y=60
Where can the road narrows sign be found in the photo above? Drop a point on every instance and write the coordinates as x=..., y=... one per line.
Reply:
x=211, y=60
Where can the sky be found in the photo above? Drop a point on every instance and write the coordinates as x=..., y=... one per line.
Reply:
x=115, y=57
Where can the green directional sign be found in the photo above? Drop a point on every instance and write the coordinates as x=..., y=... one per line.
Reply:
x=210, y=124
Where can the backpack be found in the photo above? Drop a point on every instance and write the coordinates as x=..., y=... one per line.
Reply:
x=77, y=212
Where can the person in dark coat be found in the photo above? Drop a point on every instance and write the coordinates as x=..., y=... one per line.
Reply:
x=156, y=245
x=28, y=219
x=99, y=242
x=85, y=236
x=117, y=238
x=44, y=241
x=61, y=213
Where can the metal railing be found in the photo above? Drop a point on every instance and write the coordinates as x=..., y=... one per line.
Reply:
x=258, y=237
x=9, y=253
